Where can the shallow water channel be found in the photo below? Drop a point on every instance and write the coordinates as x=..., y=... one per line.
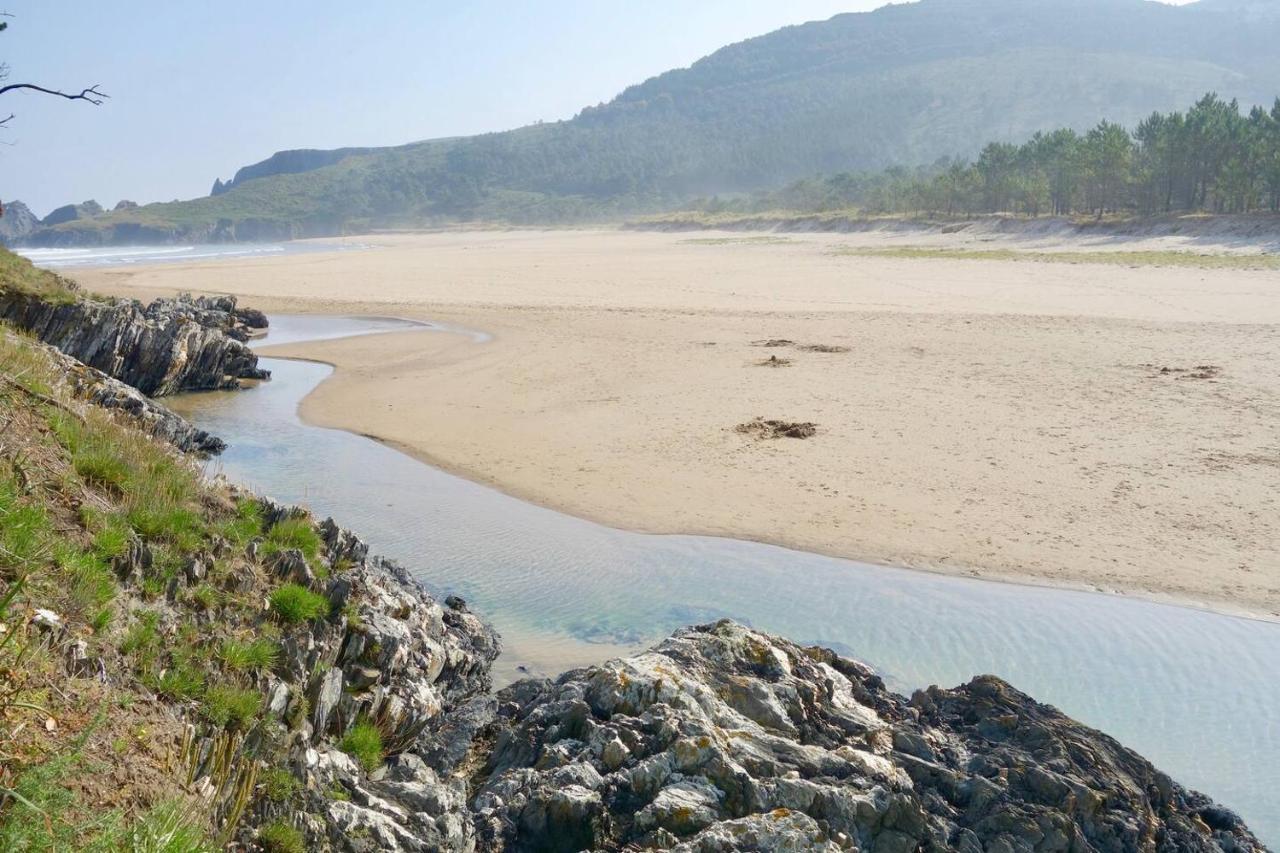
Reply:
x=1196, y=692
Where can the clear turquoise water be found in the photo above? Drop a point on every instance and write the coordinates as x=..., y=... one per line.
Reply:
x=1195, y=692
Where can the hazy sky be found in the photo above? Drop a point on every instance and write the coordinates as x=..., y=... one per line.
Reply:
x=199, y=88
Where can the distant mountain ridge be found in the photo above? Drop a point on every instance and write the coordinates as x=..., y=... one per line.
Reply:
x=904, y=85
x=287, y=163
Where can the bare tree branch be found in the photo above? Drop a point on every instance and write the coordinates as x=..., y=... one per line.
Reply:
x=91, y=94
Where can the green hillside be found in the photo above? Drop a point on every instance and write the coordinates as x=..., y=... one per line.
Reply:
x=904, y=85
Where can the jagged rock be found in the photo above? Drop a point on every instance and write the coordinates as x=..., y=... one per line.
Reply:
x=171, y=345
x=328, y=695
x=396, y=656
x=94, y=386
x=780, y=830
x=735, y=740
x=291, y=565
x=132, y=565
x=16, y=222
x=342, y=545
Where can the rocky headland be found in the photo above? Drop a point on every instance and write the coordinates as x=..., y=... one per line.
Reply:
x=169, y=346
x=367, y=719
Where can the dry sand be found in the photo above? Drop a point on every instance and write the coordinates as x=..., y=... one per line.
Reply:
x=1003, y=419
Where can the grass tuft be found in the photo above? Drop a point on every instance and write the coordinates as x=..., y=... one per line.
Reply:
x=294, y=603
x=239, y=656
x=280, y=837
x=244, y=525
x=293, y=533
x=364, y=744
x=279, y=784
x=232, y=707
x=168, y=827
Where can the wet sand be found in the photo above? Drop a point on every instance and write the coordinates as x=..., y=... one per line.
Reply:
x=1092, y=426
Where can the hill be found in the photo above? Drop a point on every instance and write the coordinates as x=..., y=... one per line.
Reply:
x=904, y=85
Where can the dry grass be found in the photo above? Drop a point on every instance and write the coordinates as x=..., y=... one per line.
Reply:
x=19, y=275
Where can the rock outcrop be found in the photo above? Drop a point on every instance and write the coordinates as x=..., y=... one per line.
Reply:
x=389, y=653
x=723, y=738
x=719, y=739
x=94, y=386
x=16, y=222
x=71, y=212
x=171, y=345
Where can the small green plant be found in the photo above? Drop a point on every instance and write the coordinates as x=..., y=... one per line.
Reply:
x=296, y=532
x=180, y=526
x=112, y=537
x=364, y=743
x=101, y=468
x=26, y=533
x=337, y=792
x=92, y=585
x=232, y=707
x=182, y=681
x=294, y=603
x=101, y=620
x=280, y=837
x=142, y=635
x=168, y=827
x=204, y=596
x=279, y=784
x=244, y=525
x=152, y=588
x=239, y=656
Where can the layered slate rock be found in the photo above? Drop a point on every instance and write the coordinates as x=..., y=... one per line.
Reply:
x=388, y=652
x=171, y=345
x=723, y=738
x=94, y=386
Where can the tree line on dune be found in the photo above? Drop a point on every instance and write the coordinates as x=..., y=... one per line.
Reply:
x=1212, y=158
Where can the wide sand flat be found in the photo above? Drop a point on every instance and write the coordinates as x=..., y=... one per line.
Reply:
x=996, y=418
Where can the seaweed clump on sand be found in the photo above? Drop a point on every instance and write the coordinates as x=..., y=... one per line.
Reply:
x=762, y=428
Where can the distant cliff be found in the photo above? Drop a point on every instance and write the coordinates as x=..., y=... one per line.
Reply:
x=72, y=212
x=287, y=163
x=16, y=222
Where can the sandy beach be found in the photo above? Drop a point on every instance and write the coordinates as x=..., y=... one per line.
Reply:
x=1100, y=426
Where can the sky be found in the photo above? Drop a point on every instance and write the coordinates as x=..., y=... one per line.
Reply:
x=200, y=88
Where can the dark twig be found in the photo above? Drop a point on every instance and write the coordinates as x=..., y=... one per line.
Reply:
x=91, y=94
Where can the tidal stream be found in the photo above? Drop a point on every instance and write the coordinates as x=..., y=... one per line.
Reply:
x=1197, y=693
